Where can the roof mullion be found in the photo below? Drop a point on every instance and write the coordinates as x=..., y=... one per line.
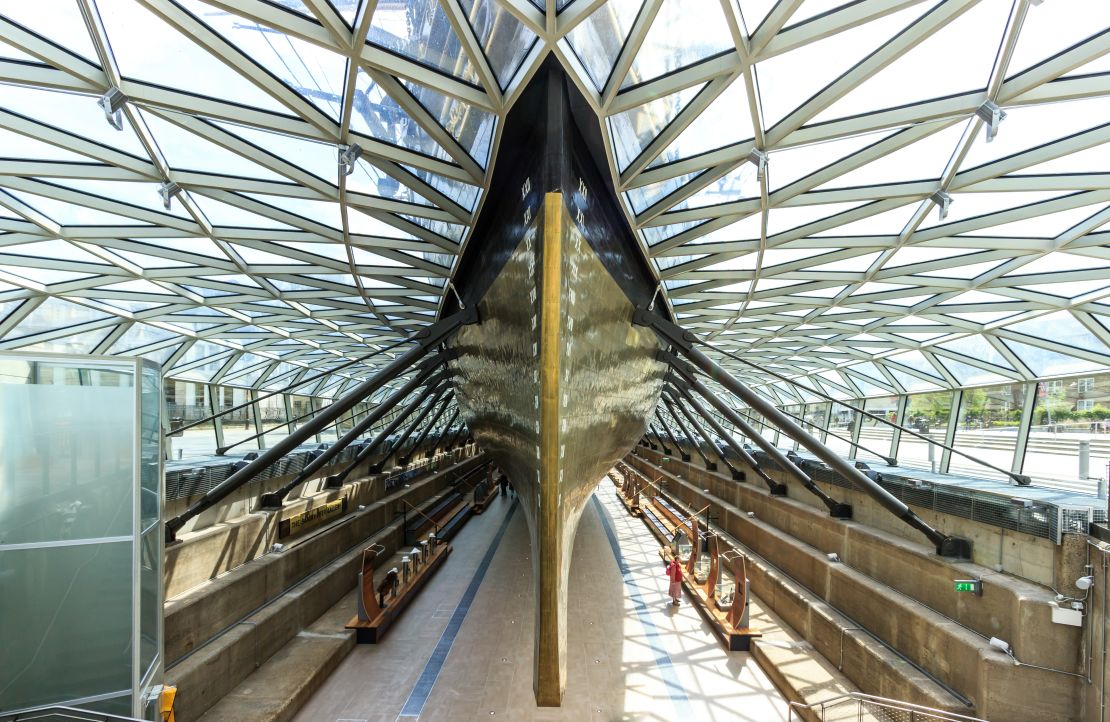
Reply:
x=428, y=122
x=236, y=60
x=71, y=64
x=924, y=27
x=687, y=115
x=473, y=49
x=636, y=34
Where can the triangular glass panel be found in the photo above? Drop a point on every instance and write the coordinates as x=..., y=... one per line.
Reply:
x=138, y=336
x=452, y=231
x=377, y=115
x=79, y=343
x=63, y=25
x=370, y=179
x=786, y=81
x=645, y=196
x=913, y=255
x=910, y=382
x=977, y=347
x=1071, y=289
x=319, y=159
x=328, y=213
x=683, y=32
x=219, y=213
x=1089, y=160
x=505, y=40
x=465, y=194
x=855, y=264
x=970, y=270
x=431, y=40
x=313, y=71
x=1061, y=328
x=924, y=159
x=1044, y=34
x=472, y=127
x=727, y=120
x=973, y=205
x=886, y=223
x=149, y=49
x=737, y=184
x=794, y=163
x=14, y=145
x=254, y=256
x=632, y=130
x=184, y=150
x=1043, y=362
x=54, y=314
x=147, y=262
x=597, y=40
x=954, y=59
x=142, y=194
x=1045, y=225
x=53, y=250
x=780, y=220
x=1031, y=126
x=71, y=214
x=76, y=114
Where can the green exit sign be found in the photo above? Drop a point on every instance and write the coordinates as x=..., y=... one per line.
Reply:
x=973, y=586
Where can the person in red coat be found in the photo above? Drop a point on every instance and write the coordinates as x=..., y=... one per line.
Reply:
x=674, y=573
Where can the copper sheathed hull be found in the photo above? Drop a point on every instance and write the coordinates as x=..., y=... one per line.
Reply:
x=556, y=384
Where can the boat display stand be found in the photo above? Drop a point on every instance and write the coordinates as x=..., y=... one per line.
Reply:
x=627, y=490
x=379, y=605
x=485, y=491
x=715, y=578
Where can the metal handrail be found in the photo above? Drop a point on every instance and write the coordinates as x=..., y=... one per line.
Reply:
x=916, y=711
x=55, y=712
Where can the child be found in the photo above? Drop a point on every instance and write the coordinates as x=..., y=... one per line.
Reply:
x=674, y=573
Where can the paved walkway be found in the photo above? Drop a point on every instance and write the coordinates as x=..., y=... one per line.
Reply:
x=631, y=656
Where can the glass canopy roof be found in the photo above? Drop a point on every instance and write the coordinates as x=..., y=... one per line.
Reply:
x=915, y=189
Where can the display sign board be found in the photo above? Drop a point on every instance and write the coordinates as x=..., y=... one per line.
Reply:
x=299, y=522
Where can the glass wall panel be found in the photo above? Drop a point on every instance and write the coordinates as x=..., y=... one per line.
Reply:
x=271, y=411
x=80, y=475
x=795, y=411
x=238, y=426
x=841, y=421
x=1066, y=413
x=300, y=405
x=44, y=590
x=817, y=419
x=987, y=427
x=875, y=435
x=186, y=402
x=927, y=414
x=67, y=455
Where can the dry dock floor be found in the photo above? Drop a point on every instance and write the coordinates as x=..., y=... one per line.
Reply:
x=463, y=650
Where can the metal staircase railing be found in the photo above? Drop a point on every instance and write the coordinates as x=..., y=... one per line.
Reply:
x=865, y=707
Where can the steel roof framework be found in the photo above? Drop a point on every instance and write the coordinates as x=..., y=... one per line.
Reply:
x=270, y=259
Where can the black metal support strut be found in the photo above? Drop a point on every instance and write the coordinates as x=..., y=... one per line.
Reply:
x=684, y=341
x=426, y=339
x=424, y=377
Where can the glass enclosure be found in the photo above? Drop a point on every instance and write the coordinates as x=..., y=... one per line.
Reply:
x=80, y=531
x=1056, y=431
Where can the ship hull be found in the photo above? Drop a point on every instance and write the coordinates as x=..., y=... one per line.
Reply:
x=555, y=382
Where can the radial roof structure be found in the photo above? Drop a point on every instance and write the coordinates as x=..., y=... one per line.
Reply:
x=884, y=195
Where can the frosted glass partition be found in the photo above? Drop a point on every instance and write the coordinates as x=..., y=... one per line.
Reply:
x=81, y=540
